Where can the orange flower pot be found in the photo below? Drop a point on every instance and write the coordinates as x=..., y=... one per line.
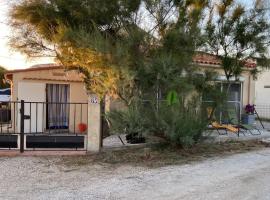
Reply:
x=82, y=127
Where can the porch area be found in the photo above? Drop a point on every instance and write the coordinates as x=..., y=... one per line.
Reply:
x=223, y=136
x=43, y=125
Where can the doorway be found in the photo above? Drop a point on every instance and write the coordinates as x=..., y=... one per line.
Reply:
x=57, y=106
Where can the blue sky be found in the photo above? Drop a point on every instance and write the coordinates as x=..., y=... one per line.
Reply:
x=13, y=60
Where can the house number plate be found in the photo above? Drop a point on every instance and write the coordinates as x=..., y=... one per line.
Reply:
x=94, y=100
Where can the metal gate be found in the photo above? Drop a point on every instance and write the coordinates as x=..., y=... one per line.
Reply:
x=43, y=125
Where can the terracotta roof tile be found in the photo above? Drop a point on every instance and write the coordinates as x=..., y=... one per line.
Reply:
x=205, y=58
x=200, y=58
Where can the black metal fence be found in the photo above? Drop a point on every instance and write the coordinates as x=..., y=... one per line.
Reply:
x=43, y=125
x=263, y=111
x=8, y=117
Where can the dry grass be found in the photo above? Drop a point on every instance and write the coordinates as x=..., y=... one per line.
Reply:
x=163, y=155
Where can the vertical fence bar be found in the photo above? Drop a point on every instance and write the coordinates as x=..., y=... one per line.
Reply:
x=47, y=116
x=14, y=118
x=1, y=117
x=30, y=114
x=43, y=118
x=65, y=117
x=36, y=117
x=57, y=118
x=74, y=120
x=8, y=115
x=22, y=128
x=81, y=112
x=87, y=125
x=259, y=118
x=102, y=119
x=68, y=118
x=60, y=123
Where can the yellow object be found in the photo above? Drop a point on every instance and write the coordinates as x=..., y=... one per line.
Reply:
x=226, y=126
x=217, y=125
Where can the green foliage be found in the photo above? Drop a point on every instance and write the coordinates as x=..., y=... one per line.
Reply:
x=235, y=34
x=94, y=37
x=3, y=84
x=108, y=41
x=128, y=121
x=181, y=124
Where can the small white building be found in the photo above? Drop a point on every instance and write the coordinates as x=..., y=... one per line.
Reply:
x=262, y=94
x=55, y=98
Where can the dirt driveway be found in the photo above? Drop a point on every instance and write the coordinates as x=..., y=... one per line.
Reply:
x=241, y=176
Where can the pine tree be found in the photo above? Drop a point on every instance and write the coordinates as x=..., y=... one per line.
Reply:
x=123, y=48
x=236, y=34
x=3, y=84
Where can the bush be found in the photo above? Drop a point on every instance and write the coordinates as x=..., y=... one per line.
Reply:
x=129, y=121
x=180, y=124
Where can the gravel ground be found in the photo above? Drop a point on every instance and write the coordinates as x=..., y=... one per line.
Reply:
x=241, y=176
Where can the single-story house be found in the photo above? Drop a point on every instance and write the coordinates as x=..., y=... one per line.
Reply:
x=52, y=84
x=55, y=98
x=262, y=86
x=262, y=94
x=241, y=91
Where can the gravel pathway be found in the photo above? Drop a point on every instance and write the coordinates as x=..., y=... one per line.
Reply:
x=241, y=176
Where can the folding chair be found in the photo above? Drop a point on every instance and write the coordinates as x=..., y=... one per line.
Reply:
x=217, y=126
x=226, y=127
x=235, y=121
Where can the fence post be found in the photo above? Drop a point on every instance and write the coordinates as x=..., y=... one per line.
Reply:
x=94, y=135
x=22, y=127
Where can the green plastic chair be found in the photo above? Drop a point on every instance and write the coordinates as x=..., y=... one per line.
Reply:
x=234, y=120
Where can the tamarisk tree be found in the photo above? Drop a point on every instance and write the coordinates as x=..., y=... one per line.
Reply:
x=236, y=34
x=123, y=48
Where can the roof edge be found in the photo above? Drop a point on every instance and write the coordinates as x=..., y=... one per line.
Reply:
x=34, y=69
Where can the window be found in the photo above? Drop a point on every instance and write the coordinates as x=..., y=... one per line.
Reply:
x=234, y=99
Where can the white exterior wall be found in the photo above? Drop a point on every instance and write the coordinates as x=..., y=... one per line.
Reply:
x=30, y=92
x=262, y=93
x=24, y=88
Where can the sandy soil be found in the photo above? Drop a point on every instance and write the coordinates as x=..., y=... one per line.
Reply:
x=241, y=176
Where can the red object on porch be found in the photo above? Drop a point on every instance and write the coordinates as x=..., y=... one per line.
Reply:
x=82, y=127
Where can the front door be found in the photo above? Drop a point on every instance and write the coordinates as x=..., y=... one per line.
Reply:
x=57, y=97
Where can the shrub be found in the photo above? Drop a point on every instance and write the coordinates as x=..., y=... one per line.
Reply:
x=128, y=121
x=180, y=124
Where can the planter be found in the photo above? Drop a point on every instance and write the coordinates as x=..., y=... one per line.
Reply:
x=135, y=138
x=248, y=119
x=82, y=127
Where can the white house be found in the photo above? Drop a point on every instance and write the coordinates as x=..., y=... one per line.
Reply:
x=262, y=94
